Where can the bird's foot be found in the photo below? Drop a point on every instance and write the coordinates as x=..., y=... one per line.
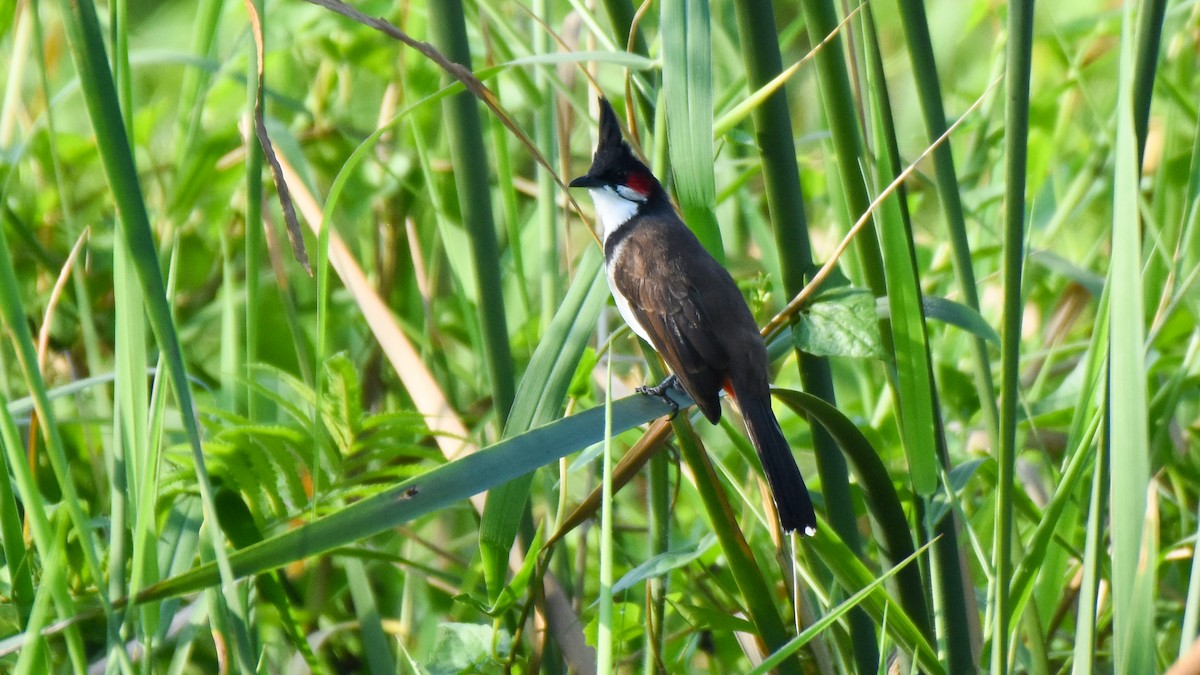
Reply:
x=660, y=392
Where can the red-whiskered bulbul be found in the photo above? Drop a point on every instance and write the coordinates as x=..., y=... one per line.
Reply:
x=677, y=297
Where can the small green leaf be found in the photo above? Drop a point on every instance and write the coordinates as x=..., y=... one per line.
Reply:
x=467, y=647
x=581, y=381
x=706, y=618
x=843, y=324
x=662, y=564
x=627, y=624
x=939, y=505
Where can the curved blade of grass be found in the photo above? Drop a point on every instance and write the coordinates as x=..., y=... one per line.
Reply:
x=424, y=494
x=829, y=618
x=853, y=576
x=952, y=313
x=880, y=496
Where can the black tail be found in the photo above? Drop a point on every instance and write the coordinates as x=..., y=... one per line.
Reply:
x=787, y=485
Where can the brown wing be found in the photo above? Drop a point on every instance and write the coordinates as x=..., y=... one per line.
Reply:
x=691, y=316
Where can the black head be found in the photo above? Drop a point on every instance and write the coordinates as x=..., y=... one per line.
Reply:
x=614, y=164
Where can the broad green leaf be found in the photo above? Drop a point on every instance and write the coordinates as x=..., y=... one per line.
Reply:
x=842, y=323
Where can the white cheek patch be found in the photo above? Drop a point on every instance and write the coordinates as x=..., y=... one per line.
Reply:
x=630, y=193
x=612, y=210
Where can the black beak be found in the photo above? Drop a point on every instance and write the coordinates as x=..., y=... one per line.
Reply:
x=586, y=181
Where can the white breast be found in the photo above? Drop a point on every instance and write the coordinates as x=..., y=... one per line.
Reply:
x=613, y=211
x=623, y=304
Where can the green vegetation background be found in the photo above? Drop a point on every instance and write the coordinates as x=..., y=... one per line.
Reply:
x=984, y=339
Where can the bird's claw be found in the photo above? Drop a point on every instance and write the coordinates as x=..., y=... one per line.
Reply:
x=660, y=392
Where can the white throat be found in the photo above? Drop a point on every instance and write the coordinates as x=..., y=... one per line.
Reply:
x=612, y=210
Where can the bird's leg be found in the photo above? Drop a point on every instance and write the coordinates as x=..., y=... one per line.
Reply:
x=660, y=391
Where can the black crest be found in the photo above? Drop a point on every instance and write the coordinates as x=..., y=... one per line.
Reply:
x=612, y=152
x=614, y=162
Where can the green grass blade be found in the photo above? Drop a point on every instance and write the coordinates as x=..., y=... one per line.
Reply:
x=1093, y=556
x=910, y=340
x=254, y=235
x=1191, y=613
x=929, y=94
x=132, y=444
x=853, y=576
x=539, y=399
x=1133, y=529
x=424, y=494
x=35, y=658
x=470, y=160
x=687, y=89
x=1150, y=16
x=604, y=637
x=845, y=126
x=17, y=558
x=751, y=583
x=376, y=643
x=880, y=496
x=1016, y=138
x=104, y=112
x=834, y=615
x=1085, y=430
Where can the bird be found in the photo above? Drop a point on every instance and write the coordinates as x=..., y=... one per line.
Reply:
x=679, y=299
